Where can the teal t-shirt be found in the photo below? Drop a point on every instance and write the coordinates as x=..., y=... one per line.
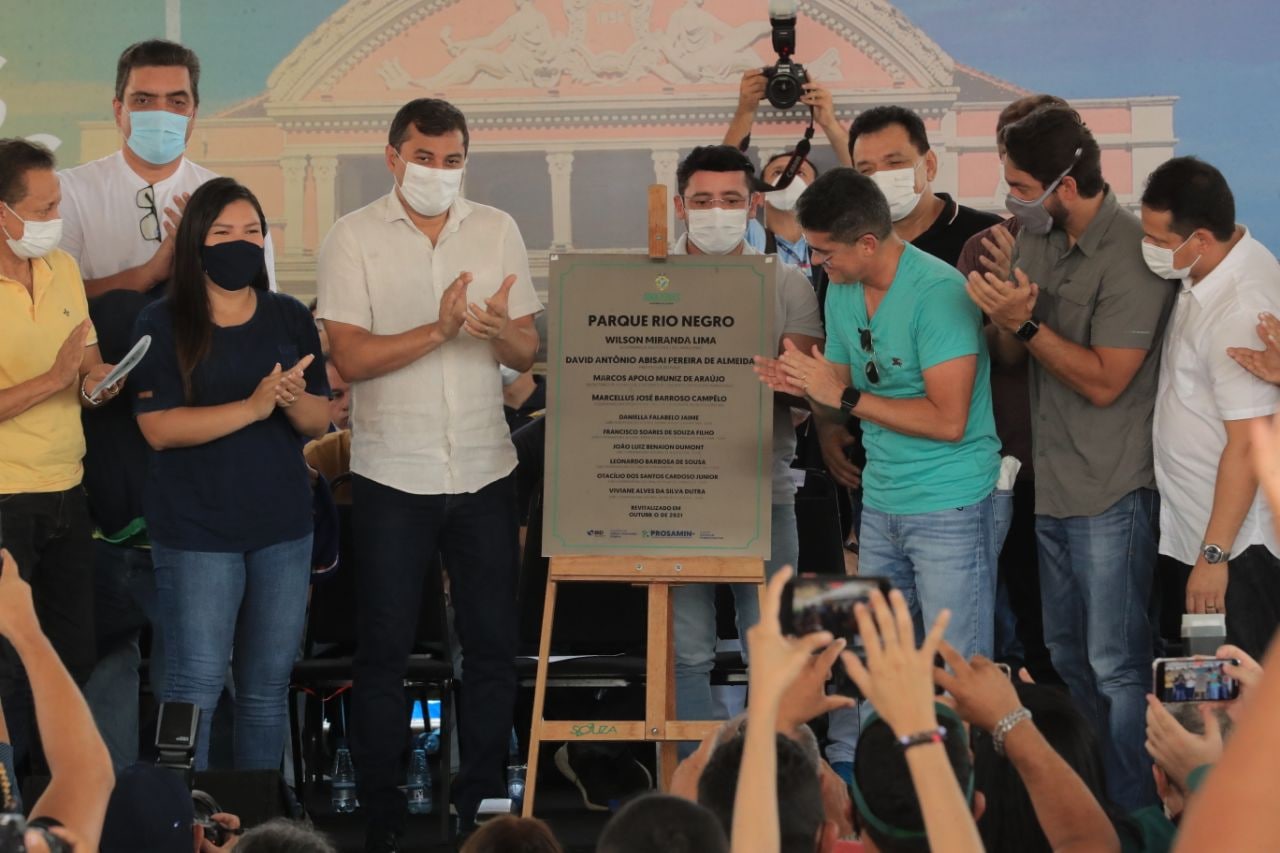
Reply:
x=925, y=319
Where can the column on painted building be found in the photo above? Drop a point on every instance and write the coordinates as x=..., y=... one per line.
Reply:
x=560, y=167
x=294, y=167
x=665, y=161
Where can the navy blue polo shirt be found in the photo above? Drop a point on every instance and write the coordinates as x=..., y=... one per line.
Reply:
x=249, y=489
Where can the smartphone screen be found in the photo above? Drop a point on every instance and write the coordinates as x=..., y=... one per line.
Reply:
x=1194, y=680
x=812, y=603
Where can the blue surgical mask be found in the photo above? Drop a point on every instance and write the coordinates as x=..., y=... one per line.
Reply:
x=1033, y=216
x=158, y=136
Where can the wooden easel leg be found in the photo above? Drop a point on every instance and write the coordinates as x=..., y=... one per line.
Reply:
x=660, y=693
x=539, y=699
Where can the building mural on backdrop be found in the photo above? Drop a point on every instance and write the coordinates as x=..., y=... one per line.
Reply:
x=575, y=106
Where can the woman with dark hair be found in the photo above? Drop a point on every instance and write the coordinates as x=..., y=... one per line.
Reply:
x=233, y=379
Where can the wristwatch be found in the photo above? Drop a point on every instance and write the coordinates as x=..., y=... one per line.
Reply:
x=1213, y=554
x=849, y=399
x=1027, y=330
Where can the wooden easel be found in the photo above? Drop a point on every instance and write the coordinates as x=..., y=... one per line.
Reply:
x=659, y=574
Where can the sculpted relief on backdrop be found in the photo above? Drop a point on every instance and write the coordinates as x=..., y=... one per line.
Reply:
x=695, y=46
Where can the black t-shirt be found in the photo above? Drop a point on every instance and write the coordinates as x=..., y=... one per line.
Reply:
x=946, y=237
x=249, y=489
x=115, y=460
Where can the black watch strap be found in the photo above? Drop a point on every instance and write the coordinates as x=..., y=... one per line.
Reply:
x=849, y=399
x=1027, y=330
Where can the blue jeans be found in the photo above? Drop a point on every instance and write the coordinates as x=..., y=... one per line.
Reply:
x=694, y=615
x=1095, y=576
x=937, y=560
x=248, y=608
x=124, y=603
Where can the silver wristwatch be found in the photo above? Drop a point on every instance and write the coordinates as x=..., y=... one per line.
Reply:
x=1213, y=554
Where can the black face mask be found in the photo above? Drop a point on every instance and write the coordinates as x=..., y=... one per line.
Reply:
x=234, y=265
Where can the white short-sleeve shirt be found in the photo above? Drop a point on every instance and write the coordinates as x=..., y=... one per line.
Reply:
x=795, y=313
x=1201, y=387
x=101, y=219
x=435, y=426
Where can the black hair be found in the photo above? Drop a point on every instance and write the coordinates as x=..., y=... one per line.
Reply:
x=188, y=296
x=714, y=158
x=788, y=154
x=154, y=53
x=17, y=157
x=883, y=779
x=1009, y=821
x=800, y=812
x=1043, y=144
x=1025, y=106
x=663, y=822
x=877, y=119
x=846, y=205
x=1196, y=194
x=432, y=117
x=284, y=836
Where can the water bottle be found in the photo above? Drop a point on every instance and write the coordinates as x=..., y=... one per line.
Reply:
x=343, y=785
x=515, y=785
x=418, y=784
x=515, y=773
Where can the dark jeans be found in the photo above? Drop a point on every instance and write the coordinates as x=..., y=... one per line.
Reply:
x=125, y=603
x=1095, y=574
x=51, y=538
x=397, y=538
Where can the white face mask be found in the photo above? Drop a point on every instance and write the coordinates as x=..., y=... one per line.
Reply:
x=785, y=199
x=1160, y=260
x=429, y=191
x=717, y=231
x=38, y=238
x=899, y=188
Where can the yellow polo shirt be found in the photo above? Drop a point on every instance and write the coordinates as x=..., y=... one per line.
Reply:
x=41, y=450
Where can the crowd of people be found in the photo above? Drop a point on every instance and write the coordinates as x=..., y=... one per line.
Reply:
x=1066, y=393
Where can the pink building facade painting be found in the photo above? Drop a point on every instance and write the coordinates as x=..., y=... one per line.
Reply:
x=575, y=106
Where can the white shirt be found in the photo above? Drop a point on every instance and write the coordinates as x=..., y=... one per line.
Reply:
x=435, y=426
x=795, y=313
x=101, y=219
x=1201, y=387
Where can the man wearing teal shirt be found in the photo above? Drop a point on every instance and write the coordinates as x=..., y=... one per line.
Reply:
x=905, y=353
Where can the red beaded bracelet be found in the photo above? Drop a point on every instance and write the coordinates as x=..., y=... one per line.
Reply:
x=928, y=736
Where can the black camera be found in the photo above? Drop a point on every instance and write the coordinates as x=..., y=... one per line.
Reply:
x=785, y=78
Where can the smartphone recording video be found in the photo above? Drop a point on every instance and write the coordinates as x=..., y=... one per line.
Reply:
x=812, y=603
x=1194, y=680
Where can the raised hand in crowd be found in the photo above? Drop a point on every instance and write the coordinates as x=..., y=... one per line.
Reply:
x=1178, y=751
x=1263, y=363
x=80, y=771
x=808, y=698
x=897, y=679
x=1069, y=815
x=1248, y=673
x=776, y=662
x=824, y=116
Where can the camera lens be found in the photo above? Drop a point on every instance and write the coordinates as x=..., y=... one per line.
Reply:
x=783, y=91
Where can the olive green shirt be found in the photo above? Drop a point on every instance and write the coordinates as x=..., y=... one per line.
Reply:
x=1097, y=293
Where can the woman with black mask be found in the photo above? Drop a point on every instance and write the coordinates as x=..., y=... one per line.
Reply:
x=233, y=378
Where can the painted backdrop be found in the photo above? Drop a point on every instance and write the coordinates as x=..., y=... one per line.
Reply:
x=577, y=105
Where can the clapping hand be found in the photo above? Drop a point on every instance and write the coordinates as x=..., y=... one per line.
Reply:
x=293, y=383
x=490, y=322
x=1009, y=303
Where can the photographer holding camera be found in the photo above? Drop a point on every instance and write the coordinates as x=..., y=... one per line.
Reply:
x=69, y=814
